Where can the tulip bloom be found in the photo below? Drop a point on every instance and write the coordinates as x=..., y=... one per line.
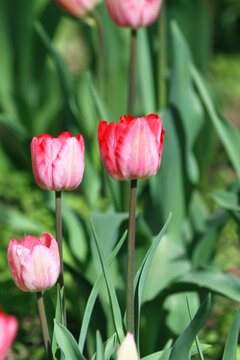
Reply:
x=58, y=163
x=131, y=149
x=8, y=330
x=128, y=350
x=79, y=8
x=34, y=263
x=134, y=13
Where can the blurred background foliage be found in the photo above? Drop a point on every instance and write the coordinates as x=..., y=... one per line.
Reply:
x=49, y=83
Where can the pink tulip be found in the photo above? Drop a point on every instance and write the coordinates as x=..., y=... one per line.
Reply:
x=34, y=263
x=8, y=330
x=131, y=149
x=134, y=13
x=128, y=349
x=79, y=8
x=58, y=163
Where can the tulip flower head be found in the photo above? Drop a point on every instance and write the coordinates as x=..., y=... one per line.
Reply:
x=128, y=350
x=134, y=13
x=78, y=8
x=34, y=263
x=131, y=149
x=58, y=163
x=8, y=330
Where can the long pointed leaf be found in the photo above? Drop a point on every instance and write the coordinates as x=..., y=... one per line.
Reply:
x=230, y=351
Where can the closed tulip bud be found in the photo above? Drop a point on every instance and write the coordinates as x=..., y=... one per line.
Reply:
x=131, y=149
x=134, y=13
x=8, y=330
x=34, y=263
x=78, y=8
x=128, y=350
x=58, y=163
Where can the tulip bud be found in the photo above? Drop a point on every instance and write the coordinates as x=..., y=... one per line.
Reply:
x=134, y=13
x=34, y=263
x=8, y=330
x=128, y=350
x=78, y=8
x=58, y=163
x=131, y=149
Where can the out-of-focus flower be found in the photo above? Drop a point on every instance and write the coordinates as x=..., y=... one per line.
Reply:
x=34, y=263
x=58, y=163
x=128, y=350
x=79, y=8
x=8, y=330
x=134, y=13
x=131, y=149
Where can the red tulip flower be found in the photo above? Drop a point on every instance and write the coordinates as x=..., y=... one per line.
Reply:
x=58, y=163
x=134, y=13
x=131, y=149
x=8, y=330
x=79, y=8
x=34, y=263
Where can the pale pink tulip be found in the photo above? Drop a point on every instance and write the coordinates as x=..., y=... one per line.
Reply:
x=131, y=149
x=79, y=8
x=8, y=330
x=34, y=263
x=58, y=163
x=128, y=350
x=134, y=13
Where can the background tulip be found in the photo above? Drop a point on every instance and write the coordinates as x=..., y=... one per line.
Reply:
x=78, y=8
x=58, y=163
x=128, y=350
x=134, y=13
x=131, y=149
x=8, y=330
x=34, y=263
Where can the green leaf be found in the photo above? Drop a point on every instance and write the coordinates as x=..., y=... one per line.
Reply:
x=100, y=348
x=141, y=275
x=67, y=343
x=145, y=72
x=183, y=344
x=110, y=347
x=184, y=98
x=227, y=200
x=50, y=311
x=228, y=134
x=198, y=345
x=116, y=312
x=59, y=318
x=64, y=76
x=223, y=284
x=230, y=351
x=94, y=293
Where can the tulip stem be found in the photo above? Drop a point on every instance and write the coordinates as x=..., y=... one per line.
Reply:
x=132, y=73
x=162, y=58
x=101, y=53
x=43, y=320
x=59, y=240
x=130, y=257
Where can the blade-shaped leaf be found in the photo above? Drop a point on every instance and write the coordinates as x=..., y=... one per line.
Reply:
x=183, y=344
x=228, y=134
x=116, y=312
x=67, y=343
x=94, y=293
x=230, y=351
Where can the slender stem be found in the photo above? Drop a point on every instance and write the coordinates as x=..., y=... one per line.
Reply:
x=162, y=58
x=132, y=73
x=43, y=319
x=101, y=53
x=130, y=258
x=59, y=240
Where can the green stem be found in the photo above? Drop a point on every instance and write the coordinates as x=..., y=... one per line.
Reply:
x=162, y=59
x=101, y=53
x=130, y=258
x=132, y=73
x=43, y=319
x=59, y=240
